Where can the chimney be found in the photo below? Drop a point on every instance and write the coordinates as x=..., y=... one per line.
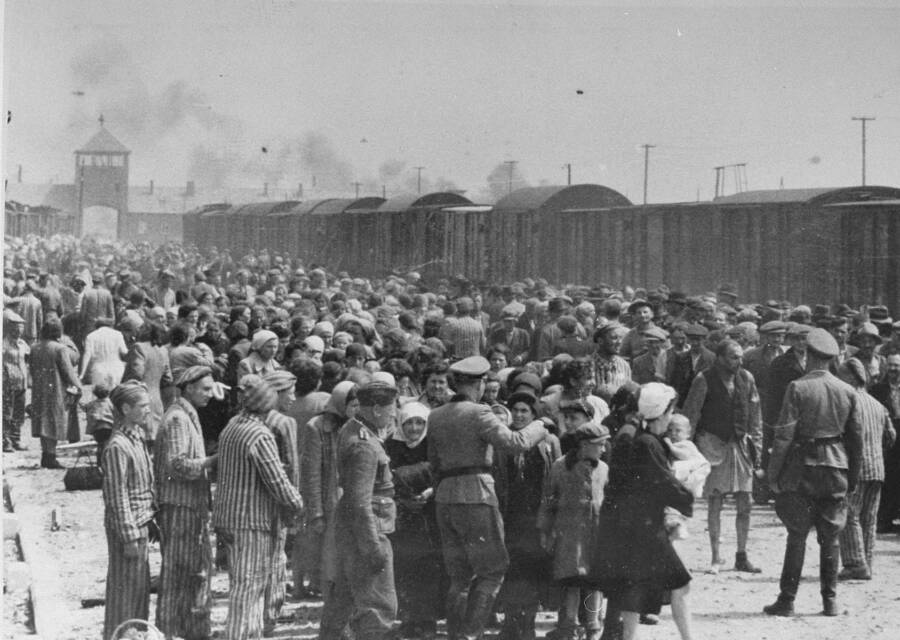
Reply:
x=300, y=190
x=20, y=174
x=266, y=189
x=189, y=190
x=151, y=187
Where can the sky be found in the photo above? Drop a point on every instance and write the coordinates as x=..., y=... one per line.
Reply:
x=329, y=94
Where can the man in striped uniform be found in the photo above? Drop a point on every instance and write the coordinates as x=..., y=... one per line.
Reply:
x=364, y=593
x=182, y=487
x=284, y=429
x=128, y=498
x=252, y=489
x=858, y=537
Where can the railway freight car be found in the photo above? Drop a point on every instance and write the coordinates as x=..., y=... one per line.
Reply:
x=804, y=245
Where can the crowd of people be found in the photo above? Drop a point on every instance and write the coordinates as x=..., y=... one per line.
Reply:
x=429, y=450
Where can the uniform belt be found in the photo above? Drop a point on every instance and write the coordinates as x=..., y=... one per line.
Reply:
x=823, y=440
x=463, y=471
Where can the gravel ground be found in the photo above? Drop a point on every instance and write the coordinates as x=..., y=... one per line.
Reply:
x=728, y=604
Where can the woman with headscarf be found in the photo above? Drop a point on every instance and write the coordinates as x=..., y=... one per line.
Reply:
x=319, y=487
x=252, y=491
x=148, y=361
x=417, y=545
x=520, y=482
x=635, y=563
x=261, y=360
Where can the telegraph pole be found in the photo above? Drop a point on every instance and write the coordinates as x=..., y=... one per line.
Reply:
x=647, y=148
x=568, y=167
x=863, y=120
x=419, y=179
x=512, y=165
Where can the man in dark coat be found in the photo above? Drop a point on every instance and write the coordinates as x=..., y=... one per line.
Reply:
x=54, y=386
x=694, y=361
x=815, y=463
x=462, y=436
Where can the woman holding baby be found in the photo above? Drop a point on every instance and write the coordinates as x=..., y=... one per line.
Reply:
x=635, y=563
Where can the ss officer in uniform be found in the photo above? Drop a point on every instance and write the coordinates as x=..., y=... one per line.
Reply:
x=364, y=593
x=462, y=435
x=815, y=462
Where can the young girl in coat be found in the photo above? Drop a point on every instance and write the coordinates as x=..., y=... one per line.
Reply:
x=569, y=518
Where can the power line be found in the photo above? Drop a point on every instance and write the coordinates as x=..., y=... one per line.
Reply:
x=863, y=120
x=647, y=148
x=419, y=179
x=512, y=165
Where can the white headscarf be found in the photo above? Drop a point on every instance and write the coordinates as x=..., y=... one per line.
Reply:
x=407, y=412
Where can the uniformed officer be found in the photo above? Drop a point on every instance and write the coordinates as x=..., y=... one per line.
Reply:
x=815, y=461
x=364, y=594
x=462, y=436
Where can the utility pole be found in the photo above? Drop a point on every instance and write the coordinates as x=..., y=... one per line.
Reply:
x=568, y=167
x=512, y=165
x=863, y=120
x=647, y=148
x=357, y=185
x=419, y=179
x=719, y=179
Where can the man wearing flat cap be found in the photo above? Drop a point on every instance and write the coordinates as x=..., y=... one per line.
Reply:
x=515, y=338
x=784, y=369
x=758, y=361
x=689, y=364
x=815, y=462
x=462, y=437
x=284, y=429
x=723, y=408
x=364, y=594
x=183, y=492
x=633, y=343
x=651, y=365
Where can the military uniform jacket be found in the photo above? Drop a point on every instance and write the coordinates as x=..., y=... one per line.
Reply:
x=367, y=502
x=462, y=436
x=818, y=426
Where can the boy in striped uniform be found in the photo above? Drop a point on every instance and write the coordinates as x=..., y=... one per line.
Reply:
x=128, y=498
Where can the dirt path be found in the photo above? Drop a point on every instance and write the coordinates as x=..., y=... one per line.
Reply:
x=728, y=605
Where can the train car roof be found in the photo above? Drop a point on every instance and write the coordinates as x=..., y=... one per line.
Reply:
x=821, y=196
x=560, y=197
x=412, y=200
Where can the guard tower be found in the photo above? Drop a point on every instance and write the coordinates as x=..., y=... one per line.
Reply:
x=101, y=184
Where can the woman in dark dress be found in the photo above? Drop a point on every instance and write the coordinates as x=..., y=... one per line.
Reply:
x=636, y=563
x=520, y=483
x=417, y=547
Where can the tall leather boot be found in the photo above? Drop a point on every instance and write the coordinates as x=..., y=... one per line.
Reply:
x=480, y=606
x=828, y=572
x=456, y=614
